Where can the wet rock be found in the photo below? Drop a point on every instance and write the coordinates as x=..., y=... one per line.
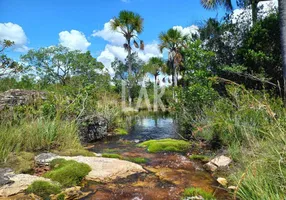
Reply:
x=16, y=97
x=72, y=193
x=104, y=169
x=44, y=158
x=222, y=181
x=218, y=162
x=92, y=128
x=20, y=183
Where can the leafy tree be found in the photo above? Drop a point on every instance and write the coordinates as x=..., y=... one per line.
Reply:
x=7, y=65
x=129, y=24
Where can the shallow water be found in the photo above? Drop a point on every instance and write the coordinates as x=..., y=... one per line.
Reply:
x=168, y=173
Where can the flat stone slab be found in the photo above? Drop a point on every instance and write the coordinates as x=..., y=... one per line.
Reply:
x=218, y=162
x=20, y=182
x=103, y=169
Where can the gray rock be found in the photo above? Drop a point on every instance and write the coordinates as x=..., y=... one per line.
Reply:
x=5, y=174
x=219, y=162
x=92, y=128
x=16, y=97
x=44, y=158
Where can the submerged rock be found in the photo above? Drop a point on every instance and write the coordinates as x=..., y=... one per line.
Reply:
x=20, y=183
x=92, y=128
x=104, y=169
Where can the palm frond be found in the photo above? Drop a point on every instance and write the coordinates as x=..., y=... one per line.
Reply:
x=142, y=46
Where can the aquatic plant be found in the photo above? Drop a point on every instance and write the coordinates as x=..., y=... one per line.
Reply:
x=193, y=192
x=170, y=145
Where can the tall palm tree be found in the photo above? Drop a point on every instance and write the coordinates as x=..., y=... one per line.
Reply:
x=129, y=24
x=172, y=40
x=154, y=66
x=282, y=16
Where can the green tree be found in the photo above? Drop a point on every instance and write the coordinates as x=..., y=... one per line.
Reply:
x=129, y=24
x=154, y=66
x=7, y=65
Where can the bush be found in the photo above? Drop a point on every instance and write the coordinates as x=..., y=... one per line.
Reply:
x=172, y=145
x=43, y=189
x=67, y=172
x=192, y=192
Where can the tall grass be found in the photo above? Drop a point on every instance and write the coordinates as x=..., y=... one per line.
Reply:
x=37, y=135
x=252, y=127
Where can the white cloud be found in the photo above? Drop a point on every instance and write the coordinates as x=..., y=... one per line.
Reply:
x=190, y=30
x=14, y=32
x=109, y=35
x=74, y=40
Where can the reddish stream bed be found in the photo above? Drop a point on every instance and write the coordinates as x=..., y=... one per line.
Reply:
x=168, y=173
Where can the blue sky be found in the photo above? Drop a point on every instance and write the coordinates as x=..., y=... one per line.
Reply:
x=42, y=21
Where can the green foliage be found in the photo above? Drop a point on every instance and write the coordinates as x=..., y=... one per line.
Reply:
x=111, y=155
x=22, y=162
x=43, y=189
x=37, y=135
x=199, y=157
x=172, y=145
x=121, y=131
x=192, y=192
x=67, y=172
x=138, y=160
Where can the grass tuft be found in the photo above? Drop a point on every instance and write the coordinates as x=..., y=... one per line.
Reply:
x=43, y=189
x=198, y=192
x=111, y=155
x=199, y=157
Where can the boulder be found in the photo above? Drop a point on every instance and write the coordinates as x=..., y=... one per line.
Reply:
x=92, y=128
x=218, y=162
x=16, y=97
x=104, y=169
x=4, y=176
x=44, y=158
x=20, y=182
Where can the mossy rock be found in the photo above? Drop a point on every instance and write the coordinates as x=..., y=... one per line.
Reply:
x=67, y=172
x=22, y=162
x=193, y=192
x=169, y=145
x=121, y=131
x=111, y=155
x=43, y=189
x=199, y=157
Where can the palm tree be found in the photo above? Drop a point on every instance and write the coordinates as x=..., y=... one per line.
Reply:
x=129, y=24
x=172, y=41
x=282, y=13
x=154, y=66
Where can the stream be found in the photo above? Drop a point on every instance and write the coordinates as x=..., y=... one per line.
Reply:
x=168, y=173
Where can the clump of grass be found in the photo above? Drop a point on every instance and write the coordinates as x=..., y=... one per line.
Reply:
x=138, y=160
x=199, y=157
x=43, y=189
x=74, y=152
x=111, y=155
x=169, y=145
x=121, y=131
x=37, y=135
x=67, y=172
x=22, y=162
x=193, y=192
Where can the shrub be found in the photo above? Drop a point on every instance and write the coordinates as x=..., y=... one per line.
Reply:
x=67, y=172
x=43, y=189
x=191, y=192
x=171, y=145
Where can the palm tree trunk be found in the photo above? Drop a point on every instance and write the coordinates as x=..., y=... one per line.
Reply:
x=282, y=18
x=129, y=73
x=254, y=10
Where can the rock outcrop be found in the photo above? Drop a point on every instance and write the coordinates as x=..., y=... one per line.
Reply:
x=218, y=162
x=92, y=128
x=18, y=183
x=102, y=169
x=16, y=97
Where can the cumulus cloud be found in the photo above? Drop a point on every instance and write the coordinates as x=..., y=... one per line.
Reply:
x=74, y=40
x=190, y=30
x=15, y=33
x=108, y=35
x=114, y=48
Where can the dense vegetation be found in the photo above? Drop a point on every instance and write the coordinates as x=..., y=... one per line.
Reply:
x=226, y=89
